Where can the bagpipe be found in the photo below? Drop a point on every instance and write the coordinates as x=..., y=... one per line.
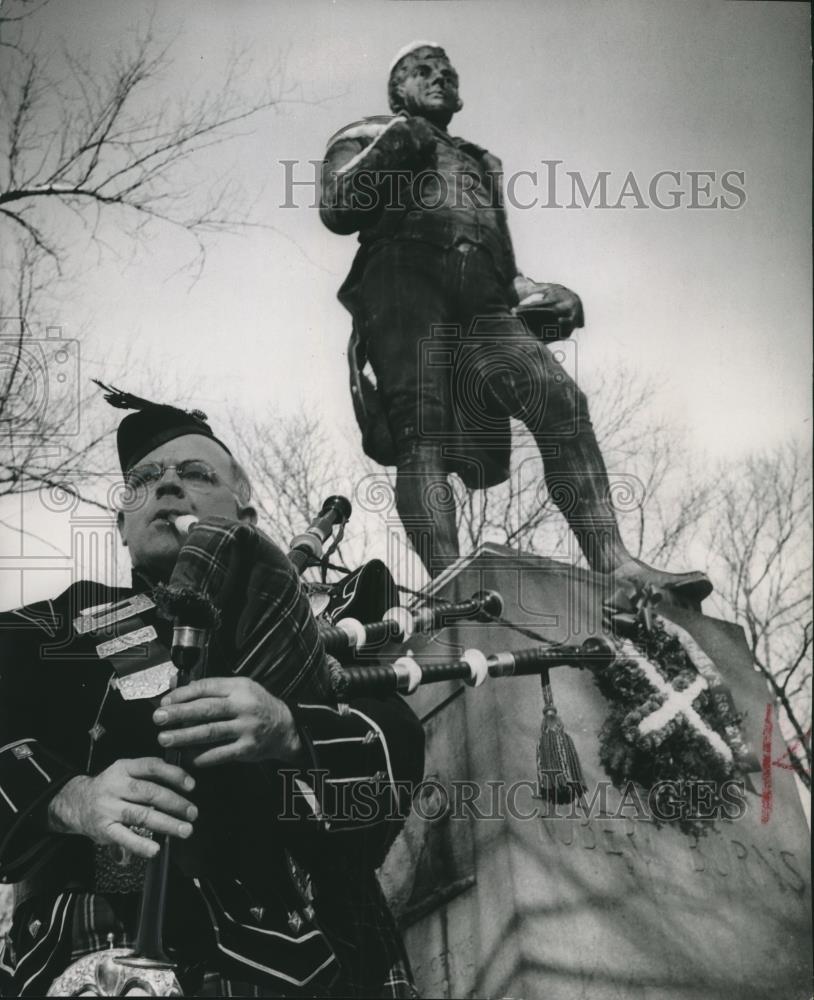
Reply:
x=345, y=629
x=230, y=580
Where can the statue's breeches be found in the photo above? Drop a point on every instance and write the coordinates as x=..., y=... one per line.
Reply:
x=451, y=362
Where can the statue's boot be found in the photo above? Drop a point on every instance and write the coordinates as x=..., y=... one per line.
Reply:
x=578, y=484
x=633, y=575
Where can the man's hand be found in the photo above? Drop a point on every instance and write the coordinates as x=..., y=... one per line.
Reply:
x=237, y=718
x=143, y=792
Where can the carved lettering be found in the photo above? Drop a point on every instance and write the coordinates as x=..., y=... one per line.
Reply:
x=631, y=826
x=742, y=854
x=720, y=853
x=759, y=854
x=763, y=867
x=570, y=827
x=697, y=856
x=549, y=830
x=609, y=843
x=587, y=836
x=789, y=861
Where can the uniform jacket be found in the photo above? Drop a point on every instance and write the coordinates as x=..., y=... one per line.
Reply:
x=454, y=196
x=277, y=887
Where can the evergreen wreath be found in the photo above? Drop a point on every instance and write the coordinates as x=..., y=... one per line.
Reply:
x=644, y=739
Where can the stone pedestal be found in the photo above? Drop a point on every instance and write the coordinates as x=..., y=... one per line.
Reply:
x=499, y=900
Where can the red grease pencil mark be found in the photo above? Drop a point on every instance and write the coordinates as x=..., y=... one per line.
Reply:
x=766, y=797
x=783, y=761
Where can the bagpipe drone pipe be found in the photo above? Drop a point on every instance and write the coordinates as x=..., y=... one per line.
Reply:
x=353, y=618
x=376, y=657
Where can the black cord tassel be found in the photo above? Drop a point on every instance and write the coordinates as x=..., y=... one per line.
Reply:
x=559, y=772
x=337, y=677
x=187, y=605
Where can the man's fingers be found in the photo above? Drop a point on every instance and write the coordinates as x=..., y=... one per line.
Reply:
x=145, y=794
x=122, y=835
x=230, y=753
x=154, y=820
x=208, y=687
x=211, y=732
x=200, y=710
x=157, y=770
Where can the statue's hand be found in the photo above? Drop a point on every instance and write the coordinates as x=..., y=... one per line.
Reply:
x=409, y=142
x=523, y=287
x=556, y=300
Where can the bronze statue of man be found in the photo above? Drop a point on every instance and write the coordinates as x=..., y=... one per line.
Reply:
x=434, y=292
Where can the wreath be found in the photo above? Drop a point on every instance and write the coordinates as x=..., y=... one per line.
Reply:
x=664, y=731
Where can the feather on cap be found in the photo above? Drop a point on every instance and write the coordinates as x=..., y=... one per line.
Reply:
x=152, y=425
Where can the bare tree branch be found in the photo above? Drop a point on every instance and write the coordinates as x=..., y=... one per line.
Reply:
x=761, y=540
x=97, y=145
x=81, y=140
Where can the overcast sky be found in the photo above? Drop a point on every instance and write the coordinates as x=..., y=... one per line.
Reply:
x=715, y=302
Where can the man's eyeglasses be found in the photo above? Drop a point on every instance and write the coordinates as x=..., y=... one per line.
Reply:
x=194, y=473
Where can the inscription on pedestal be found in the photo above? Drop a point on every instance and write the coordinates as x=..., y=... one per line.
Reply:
x=719, y=855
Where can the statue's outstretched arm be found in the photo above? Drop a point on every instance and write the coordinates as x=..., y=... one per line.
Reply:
x=360, y=173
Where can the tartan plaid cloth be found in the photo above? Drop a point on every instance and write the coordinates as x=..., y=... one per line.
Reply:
x=99, y=921
x=267, y=631
x=359, y=914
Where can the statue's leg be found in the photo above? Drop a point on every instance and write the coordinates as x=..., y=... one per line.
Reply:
x=540, y=393
x=403, y=293
x=555, y=410
x=426, y=504
x=524, y=381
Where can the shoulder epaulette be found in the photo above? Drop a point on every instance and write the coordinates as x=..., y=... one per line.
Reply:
x=42, y=615
x=365, y=128
x=48, y=615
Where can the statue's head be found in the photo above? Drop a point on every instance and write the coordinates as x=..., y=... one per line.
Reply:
x=423, y=82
